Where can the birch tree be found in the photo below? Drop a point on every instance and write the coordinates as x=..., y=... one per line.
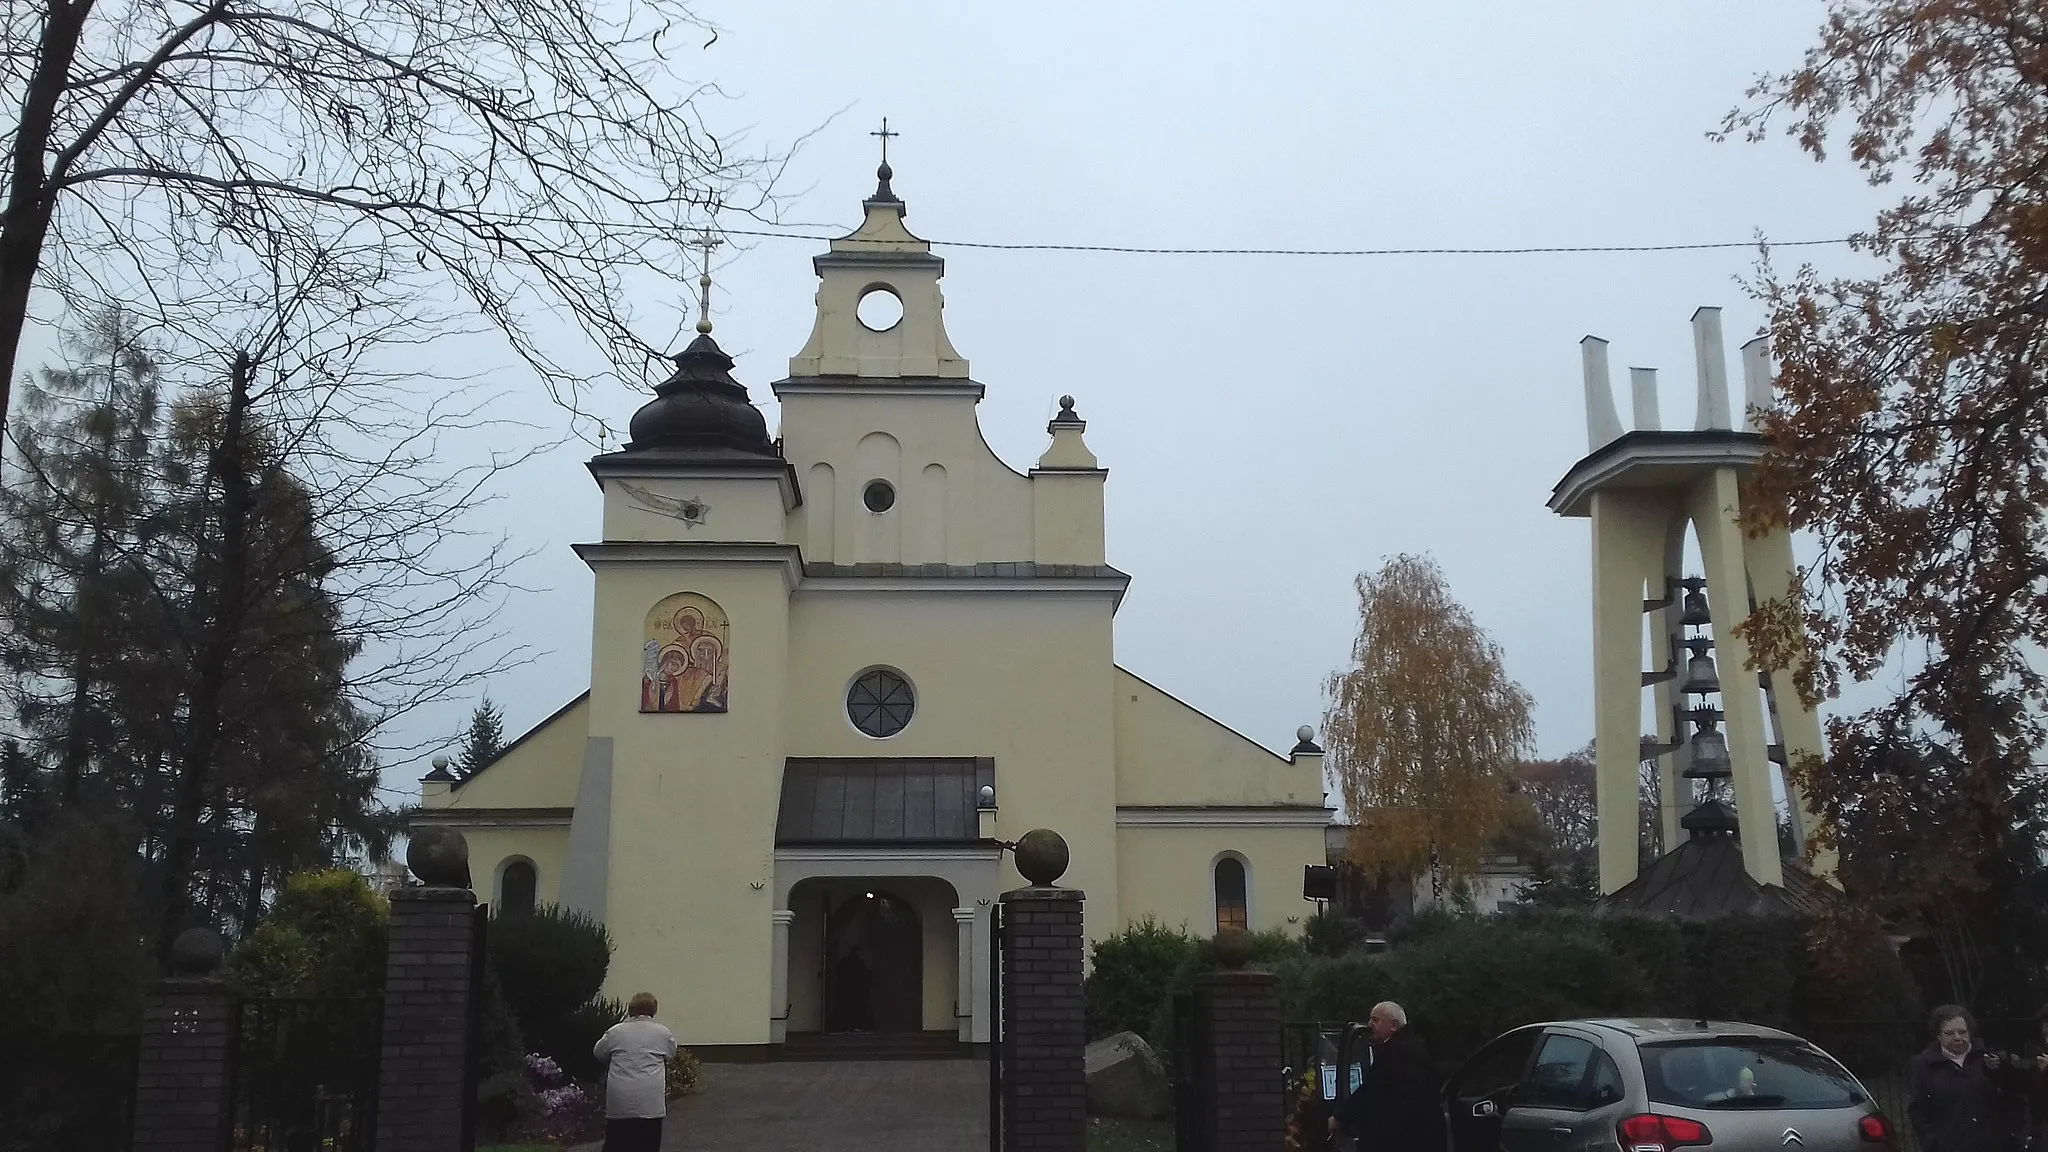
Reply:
x=1424, y=729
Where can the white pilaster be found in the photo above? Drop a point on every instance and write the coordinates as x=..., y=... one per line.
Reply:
x=778, y=1006
x=966, y=1011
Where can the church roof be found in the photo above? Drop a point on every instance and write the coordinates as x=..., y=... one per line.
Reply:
x=867, y=800
x=1704, y=879
x=702, y=407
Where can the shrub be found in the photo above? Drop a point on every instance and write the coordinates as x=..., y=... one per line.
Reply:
x=685, y=1073
x=1465, y=983
x=1328, y=934
x=323, y=936
x=550, y=965
x=1130, y=976
x=571, y=1037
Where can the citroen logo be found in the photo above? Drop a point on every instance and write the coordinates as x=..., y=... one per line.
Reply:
x=1792, y=1136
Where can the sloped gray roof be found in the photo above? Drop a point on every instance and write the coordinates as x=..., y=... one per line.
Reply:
x=867, y=800
x=1704, y=879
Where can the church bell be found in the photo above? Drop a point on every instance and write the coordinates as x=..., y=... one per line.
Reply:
x=1701, y=677
x=1693, y=610
x=1709, y=753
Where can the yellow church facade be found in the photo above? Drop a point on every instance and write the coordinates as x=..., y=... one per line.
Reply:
x=833, y=672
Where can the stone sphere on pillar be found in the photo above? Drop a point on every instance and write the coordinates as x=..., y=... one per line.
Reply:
x=439, y=857
x=1041, y=857
x=197, y=952
x=1233, y=948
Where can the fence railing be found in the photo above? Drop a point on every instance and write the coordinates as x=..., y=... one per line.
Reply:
x=305, y=1074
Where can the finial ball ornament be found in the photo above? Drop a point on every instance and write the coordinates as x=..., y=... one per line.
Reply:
x=197, y=952
x=1304, y=733
x=1041, y=857
x=439, y=857
x=1233, y=948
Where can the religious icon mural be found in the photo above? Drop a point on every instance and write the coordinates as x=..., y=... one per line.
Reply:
x=685, y=664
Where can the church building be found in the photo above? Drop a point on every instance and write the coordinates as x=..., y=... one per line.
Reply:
x=834, y=671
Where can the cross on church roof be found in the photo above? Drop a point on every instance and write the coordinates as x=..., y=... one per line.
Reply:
x=707, y=240
x=885, y=136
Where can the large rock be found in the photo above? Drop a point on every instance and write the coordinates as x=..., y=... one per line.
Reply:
x=1125, y=1078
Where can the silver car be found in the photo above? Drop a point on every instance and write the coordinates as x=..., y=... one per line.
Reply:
x=1658, y=1086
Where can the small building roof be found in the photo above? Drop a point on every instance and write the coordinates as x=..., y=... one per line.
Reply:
x=1703, y=879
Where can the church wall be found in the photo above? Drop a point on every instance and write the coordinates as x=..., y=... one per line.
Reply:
x=734, y=510
x=1168, y=873
x=539, y=771
x=490, y=849
x=1067, y=518
x=1169, y=753
x=1020, y=676
x=977, y=508
x=694, y=798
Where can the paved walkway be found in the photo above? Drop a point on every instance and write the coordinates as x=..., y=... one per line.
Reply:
x=826, y=1106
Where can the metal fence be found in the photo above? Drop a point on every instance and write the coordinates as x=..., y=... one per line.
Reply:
x=305, y=1074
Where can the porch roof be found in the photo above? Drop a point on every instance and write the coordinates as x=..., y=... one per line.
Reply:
x=882, y=800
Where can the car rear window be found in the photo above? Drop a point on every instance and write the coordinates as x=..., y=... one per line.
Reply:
x=1736, y=1073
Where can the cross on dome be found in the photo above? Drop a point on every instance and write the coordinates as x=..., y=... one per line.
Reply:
x=884, y=172
x=707, y=240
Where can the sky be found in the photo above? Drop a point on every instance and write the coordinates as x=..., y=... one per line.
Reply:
x=1272, y=425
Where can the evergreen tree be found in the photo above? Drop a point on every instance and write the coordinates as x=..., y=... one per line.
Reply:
x=484, y=740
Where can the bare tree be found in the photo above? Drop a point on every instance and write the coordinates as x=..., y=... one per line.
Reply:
x=534, y=156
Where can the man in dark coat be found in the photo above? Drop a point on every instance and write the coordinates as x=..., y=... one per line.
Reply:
x=1395, y=1108
x=1954, y=1104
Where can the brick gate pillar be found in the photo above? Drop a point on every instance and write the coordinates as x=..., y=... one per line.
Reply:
x=423, y=1083
x=1045, y=1094
x=182, y=1079
x=1238, y=1013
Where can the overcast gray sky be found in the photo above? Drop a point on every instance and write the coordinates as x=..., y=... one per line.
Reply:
x=1272, y=425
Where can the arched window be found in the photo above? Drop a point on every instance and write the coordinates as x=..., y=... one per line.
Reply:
x=516, y=886
x=1233, y=909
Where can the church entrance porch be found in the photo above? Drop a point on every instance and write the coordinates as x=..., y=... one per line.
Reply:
x=881, y=944
x=872, y=970
x=872, y=956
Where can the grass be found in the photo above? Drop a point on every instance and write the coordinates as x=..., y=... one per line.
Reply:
x=1106, y=1134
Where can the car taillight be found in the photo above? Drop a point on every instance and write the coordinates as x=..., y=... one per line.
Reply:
x=1875, y=1129
x=1661, y=1133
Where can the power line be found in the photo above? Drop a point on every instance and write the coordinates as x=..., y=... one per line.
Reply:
x=1129, y=249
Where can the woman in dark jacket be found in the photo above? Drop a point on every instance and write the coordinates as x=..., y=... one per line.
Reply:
x=1955, y=1105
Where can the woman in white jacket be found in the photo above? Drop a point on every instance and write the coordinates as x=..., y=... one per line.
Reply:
x=636, y=1051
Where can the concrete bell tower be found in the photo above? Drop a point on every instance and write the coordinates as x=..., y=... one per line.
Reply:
x=1642, y=489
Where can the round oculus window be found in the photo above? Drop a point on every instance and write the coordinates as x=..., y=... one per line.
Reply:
x=880, y=702
x=879, y=309
x=879, y=496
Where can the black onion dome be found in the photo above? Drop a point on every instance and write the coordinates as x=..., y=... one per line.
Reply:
x=701, y=406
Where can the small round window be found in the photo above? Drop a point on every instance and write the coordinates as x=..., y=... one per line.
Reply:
x=879, y=309
x=879, y=496
x=880, y=702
